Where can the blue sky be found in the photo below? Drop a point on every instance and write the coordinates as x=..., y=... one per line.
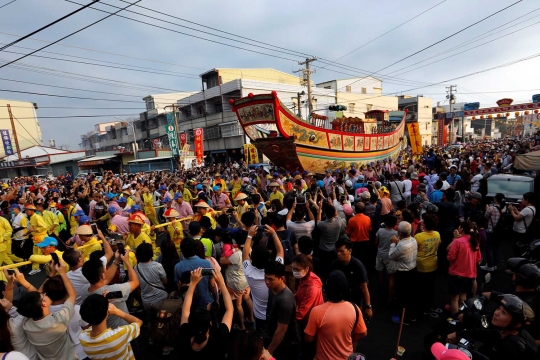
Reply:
x=327, y=29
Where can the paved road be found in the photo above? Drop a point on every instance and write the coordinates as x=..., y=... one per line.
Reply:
x=380, y=343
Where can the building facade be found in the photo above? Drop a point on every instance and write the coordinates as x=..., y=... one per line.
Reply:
x=26, y=123
x=422, y=108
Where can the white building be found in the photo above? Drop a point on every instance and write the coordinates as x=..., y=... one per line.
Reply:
x=26, y=123
x=422, y=107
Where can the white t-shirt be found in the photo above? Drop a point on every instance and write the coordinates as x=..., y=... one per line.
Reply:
x=259, y=290
x=407, y=185
x=445, y=185
x=79, y=282
x=528, y=215
x=75, y=328
x=234, y=273
x=475, y=181
x=301, y=228
x=18, y=335
x=14, y=355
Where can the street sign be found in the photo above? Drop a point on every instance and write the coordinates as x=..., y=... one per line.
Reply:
x=173, y=139
x=6, y=140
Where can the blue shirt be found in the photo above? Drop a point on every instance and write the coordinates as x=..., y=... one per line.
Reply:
x=452, y=180
x=435, y=196
x=203, y=288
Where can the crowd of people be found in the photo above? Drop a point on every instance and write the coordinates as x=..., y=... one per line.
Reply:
x=223, y=262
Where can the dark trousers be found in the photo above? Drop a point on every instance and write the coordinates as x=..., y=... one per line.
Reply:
x=521, y=243
x=361, y=251
x=406, y=292
x=28, y=248
x=493, y=253
x=17, y=249
x=327, y=258
x=260, y=324
x=426, y=289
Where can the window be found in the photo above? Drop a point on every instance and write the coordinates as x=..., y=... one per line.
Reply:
x=230, y=130
x=187, y=112
x=363, y=90
x=218, y=107
x=150, y=105
x=191, y=137
x=211, y=132
x=328, y=87
x=348, y=88
x=369, y=107
x=351, y=107
x=200, y=110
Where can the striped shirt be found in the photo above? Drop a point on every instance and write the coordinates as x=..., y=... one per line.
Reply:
x=111, y=344
x=404, y=254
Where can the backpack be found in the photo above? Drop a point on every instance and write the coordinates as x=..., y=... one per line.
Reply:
x=501, y=226
x=166, y=329
x=288, y=248
x=533, y=228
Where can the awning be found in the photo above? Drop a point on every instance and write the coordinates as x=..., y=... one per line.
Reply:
x=95, y=160
x=159, y=158
x=528, y=162
x=218, y=151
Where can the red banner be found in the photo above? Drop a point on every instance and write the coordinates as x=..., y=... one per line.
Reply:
x=183, y=139
x=199, y=147
x=440, y=132
x=503, y=109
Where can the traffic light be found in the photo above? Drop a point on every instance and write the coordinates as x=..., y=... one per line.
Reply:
x=337, y=108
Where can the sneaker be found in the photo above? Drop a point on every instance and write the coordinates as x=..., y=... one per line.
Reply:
x=34, y=272
x=397, y=320
x=487, y=268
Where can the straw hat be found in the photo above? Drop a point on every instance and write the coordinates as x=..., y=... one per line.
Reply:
x=171, y=213
x=202, y=204
x=136, y=219
x=240, y=196
x=30, y=207
x=273, y=184
x=84, y=230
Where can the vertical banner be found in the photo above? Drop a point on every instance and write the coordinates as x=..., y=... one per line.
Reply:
x=184, y=153
x=415, y=138
x=6, y=140
x=246, y=153
x=173, y=139
x=253, y=154
x=440, y=132
x=198, y=142
x=183, y=139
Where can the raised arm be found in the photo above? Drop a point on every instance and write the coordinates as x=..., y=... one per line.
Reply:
x=196, y=276
x=109, y=254
x=289, y=214
x=277, y=242
x=61, y=270
x=133, y=279
x=247, y=246
x=229, y=309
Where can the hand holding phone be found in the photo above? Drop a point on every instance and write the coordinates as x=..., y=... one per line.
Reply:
x=114, y=295
x=94, y=229
x=207, y=272
x=55, y=258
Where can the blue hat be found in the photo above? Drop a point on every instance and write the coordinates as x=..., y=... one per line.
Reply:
x=48, y=241
x=199, y=187
x=216, y=188
x=111, y=195
x=338, y=171
x=79, y=213
x=276, y=173
x=296, y=173
x=84, y=220
x=112, y=210
x=177, y=196
x=166, y=200
x=134, y=208
x=162, y=187
x=122, y=200
x=15, y=206
x=320, y=183
x=329, y=171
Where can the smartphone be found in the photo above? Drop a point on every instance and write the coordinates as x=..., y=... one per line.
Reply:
x=261, y=228
x=207, y=272
x=55, y=258
x=121, y=249
x=11, y=271
x=114, y=295
x=94, y=229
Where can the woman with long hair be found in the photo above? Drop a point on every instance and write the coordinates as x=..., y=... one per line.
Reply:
x=168, y=259
x=248, y=345
x=494, y=214
x=463, y=254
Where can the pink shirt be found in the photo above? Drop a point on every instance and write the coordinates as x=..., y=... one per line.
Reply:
x=185, y=210
x=121, y=224
x=462, y=258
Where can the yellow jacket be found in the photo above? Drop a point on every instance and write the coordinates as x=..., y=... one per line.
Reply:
x=212, y=221
x=132, y=257
x=45, y=259
x=133, y=242
x=95, y=246
x=40, y=228
x=61, y=220
x=175, y=232
x=186, y=195
x=72, y=221
x=51, y=220
x=5, y=233
x=278, y=195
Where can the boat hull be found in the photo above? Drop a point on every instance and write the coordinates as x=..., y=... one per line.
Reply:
x=303, y=146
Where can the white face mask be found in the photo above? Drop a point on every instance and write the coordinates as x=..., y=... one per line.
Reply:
x=298, y=274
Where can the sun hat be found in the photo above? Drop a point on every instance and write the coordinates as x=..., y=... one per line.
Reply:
x=48, y=241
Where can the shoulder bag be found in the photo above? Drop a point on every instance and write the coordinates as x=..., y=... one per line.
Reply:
x=146, y=281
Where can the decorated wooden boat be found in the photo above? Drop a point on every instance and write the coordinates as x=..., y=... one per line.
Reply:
x=317, y=144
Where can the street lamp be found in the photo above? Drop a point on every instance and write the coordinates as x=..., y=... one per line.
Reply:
x=134, y=136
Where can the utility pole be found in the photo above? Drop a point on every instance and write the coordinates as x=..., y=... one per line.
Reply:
x=14, y=132
x=451, y=100
x=306, y=79
x=298, y=102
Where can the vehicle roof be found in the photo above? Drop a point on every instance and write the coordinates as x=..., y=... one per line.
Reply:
x=503, y=177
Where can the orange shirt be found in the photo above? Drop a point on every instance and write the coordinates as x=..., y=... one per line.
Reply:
x=333, y=323
x=359, y=227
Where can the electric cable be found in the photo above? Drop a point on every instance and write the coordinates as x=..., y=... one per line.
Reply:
x=12, y=1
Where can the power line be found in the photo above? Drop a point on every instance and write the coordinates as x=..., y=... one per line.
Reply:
x=47, y=26
x=76, y=108
x=12, y=1
x=75, y=116
x=389, y=31
x=66, y=96
x=71, y=34
x=446, y=38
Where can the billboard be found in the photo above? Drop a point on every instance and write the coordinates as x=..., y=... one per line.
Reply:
x=471, y=106
x=6, y=140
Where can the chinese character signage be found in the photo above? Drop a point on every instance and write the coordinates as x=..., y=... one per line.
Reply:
x=6, y=139
x=183, y=139
x=173, y=139
x=415, y=138
x=246, y=153
x=471, y=106
x=198, y=143
x=440, y=133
